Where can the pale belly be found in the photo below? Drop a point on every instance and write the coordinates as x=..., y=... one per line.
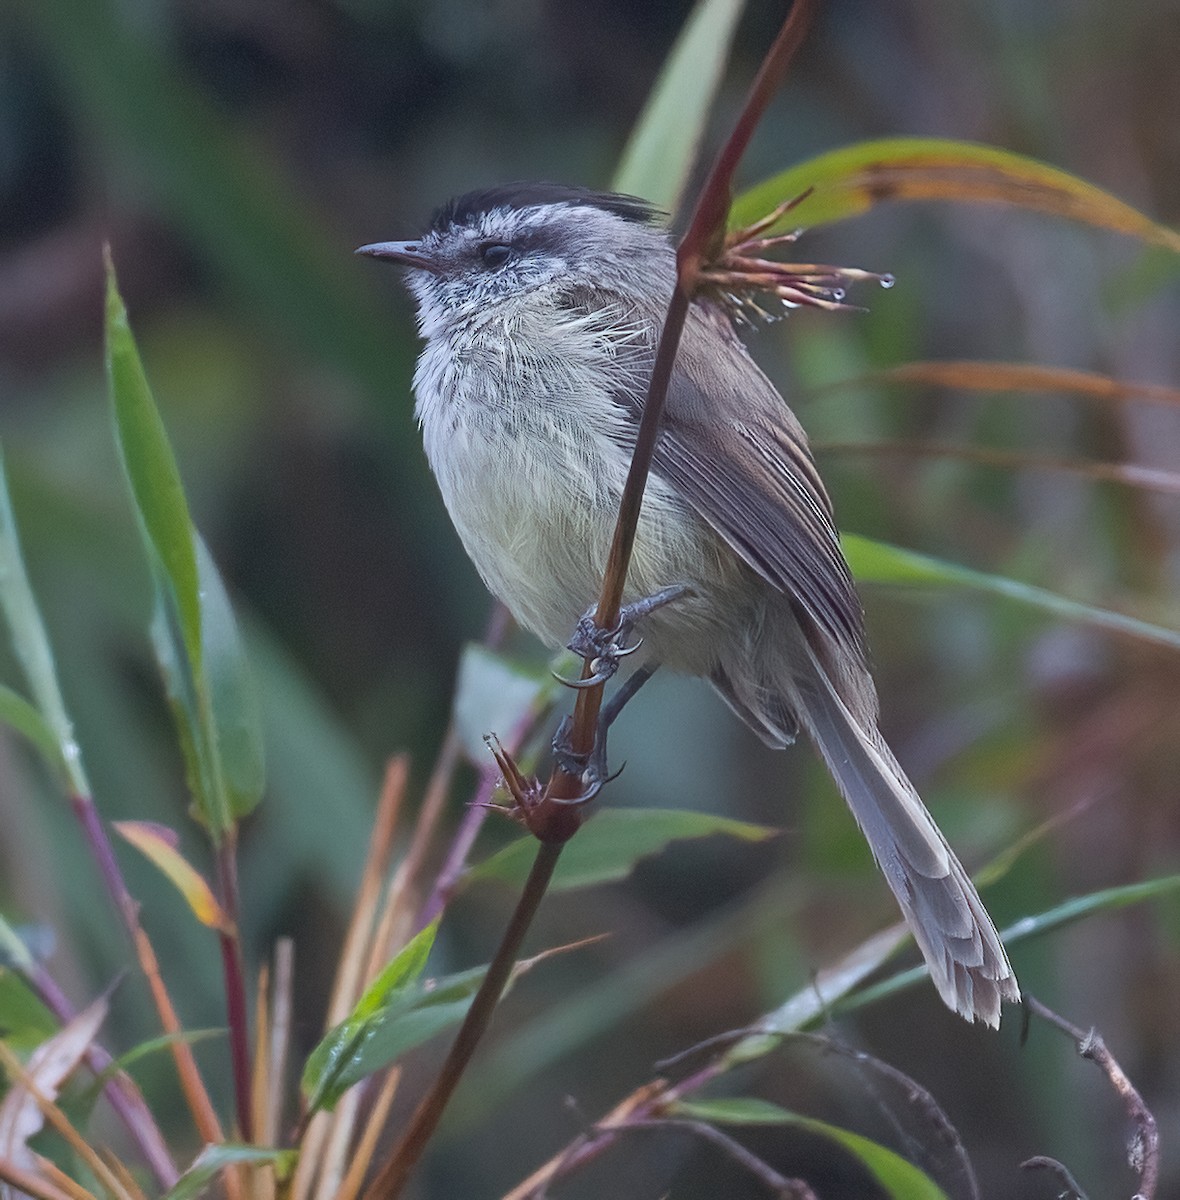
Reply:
x=535, y=509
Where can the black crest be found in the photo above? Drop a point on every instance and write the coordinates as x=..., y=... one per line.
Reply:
x=466, y=209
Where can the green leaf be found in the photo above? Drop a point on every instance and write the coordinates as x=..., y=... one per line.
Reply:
x=151, y=470
x=193, y=630
x=18, y=713
x=734, y=1110
x=35, y=654
x=13, y=951
x=665, y=142
x=343, y=1056
x=877, y=562
x=237, y=732
x=214, y=1159
x=24, y=1021
x=405, y=968
x=398, y=1013
x=411, y=1018
x=899, y=1178
x=493, y=695
x=846, y=182
x=608, y=847
x=1107, y=900
x=180, y=685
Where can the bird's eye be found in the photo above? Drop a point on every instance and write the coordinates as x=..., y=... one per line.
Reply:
x=495, y=254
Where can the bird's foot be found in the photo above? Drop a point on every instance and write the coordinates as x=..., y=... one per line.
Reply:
x=604, y=648
x=591, y=769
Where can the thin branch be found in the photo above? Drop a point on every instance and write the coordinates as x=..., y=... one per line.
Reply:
x=587, y=1145
x=191, y=1083
x=393, y=1176
x=281, y=1006
x=1134, y=475
x=1042, y=1163
x=1143, y=1151
x=705, y=236
x=360, y=960
x=236, y=1009
x=779, y=1185
x=362, y=1155
x=29, y=1183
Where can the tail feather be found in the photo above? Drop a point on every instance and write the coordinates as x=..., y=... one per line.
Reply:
x=953, y=930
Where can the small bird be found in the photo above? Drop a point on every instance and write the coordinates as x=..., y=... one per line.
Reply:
x=540, y=306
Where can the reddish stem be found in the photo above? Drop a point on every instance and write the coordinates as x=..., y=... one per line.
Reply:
x=237, y=1017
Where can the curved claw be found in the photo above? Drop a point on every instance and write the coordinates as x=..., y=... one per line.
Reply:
x=623, y=651
x=581, y=684
x=584, y=798
x=615, y=774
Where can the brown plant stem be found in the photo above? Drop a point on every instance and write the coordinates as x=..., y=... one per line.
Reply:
x=236, y=1009
x=28, y=1183
x=193, y=1087
x=1132, y=475
x=778, y=1185
x=393, y=1176
x=1143, y=1153
x=703, y=238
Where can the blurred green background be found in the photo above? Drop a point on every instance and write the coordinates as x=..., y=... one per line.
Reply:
x=234, y=155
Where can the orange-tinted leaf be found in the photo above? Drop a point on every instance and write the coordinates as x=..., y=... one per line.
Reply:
x=1014, y=377
x=1152, y=479
x=159, y=844
x=846, y=182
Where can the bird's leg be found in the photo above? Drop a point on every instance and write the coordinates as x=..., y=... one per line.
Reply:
x=591, y=768
x=604, y=647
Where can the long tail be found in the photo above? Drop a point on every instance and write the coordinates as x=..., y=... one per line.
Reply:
x=941, y=906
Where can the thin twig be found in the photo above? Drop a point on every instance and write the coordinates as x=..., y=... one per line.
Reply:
x=1041, y=1162
x=30, y=1184
x=360, y=959
x=1143, y=1152
x=354, y=968
x=394, y=1175
x=362, y=1155
x=236, y=1009
x=571, y=1156
x=779, y=1185
x=281, y=1004
x=704, y=237
x=191, y=1083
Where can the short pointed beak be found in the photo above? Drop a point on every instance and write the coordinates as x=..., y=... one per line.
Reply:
x=407, y=254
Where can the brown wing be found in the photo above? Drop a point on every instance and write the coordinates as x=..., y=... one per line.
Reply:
x=734, y=450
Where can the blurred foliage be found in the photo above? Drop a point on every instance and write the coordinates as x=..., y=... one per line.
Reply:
x=235, y=155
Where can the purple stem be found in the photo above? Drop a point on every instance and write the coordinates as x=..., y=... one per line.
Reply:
x=108, y=866
x=235, y=985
